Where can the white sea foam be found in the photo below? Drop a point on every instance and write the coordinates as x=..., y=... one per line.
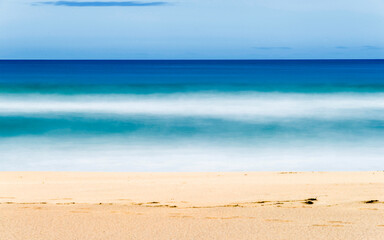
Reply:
x=236, y=106
x=185, y=153
x=24, y=154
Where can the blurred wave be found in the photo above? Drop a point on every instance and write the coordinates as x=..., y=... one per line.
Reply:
x=245, y=106
x=191, y=115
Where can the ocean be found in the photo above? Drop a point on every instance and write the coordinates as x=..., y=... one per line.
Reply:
x=150, y=116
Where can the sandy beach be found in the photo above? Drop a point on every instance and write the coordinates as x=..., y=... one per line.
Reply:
x=236, y=205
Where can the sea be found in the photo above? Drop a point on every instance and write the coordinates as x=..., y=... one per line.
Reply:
x=191, y=115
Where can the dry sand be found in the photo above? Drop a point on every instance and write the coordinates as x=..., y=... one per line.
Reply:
x=246, y=205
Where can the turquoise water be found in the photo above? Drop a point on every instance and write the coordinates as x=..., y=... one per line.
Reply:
x=192, y=115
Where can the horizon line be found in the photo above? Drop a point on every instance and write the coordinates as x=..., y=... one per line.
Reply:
x=189, y=59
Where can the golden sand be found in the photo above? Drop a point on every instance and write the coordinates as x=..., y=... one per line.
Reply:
x=239, y=205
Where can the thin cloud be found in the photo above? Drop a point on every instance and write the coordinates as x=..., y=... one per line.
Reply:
x=369, y=47
x=102, y=4
x=272, y=48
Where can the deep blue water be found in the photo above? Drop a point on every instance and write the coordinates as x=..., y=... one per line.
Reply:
x=192, y=115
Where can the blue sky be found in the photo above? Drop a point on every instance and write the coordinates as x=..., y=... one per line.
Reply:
x=191, y=29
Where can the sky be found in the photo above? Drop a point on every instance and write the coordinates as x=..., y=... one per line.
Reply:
x=192, y=29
